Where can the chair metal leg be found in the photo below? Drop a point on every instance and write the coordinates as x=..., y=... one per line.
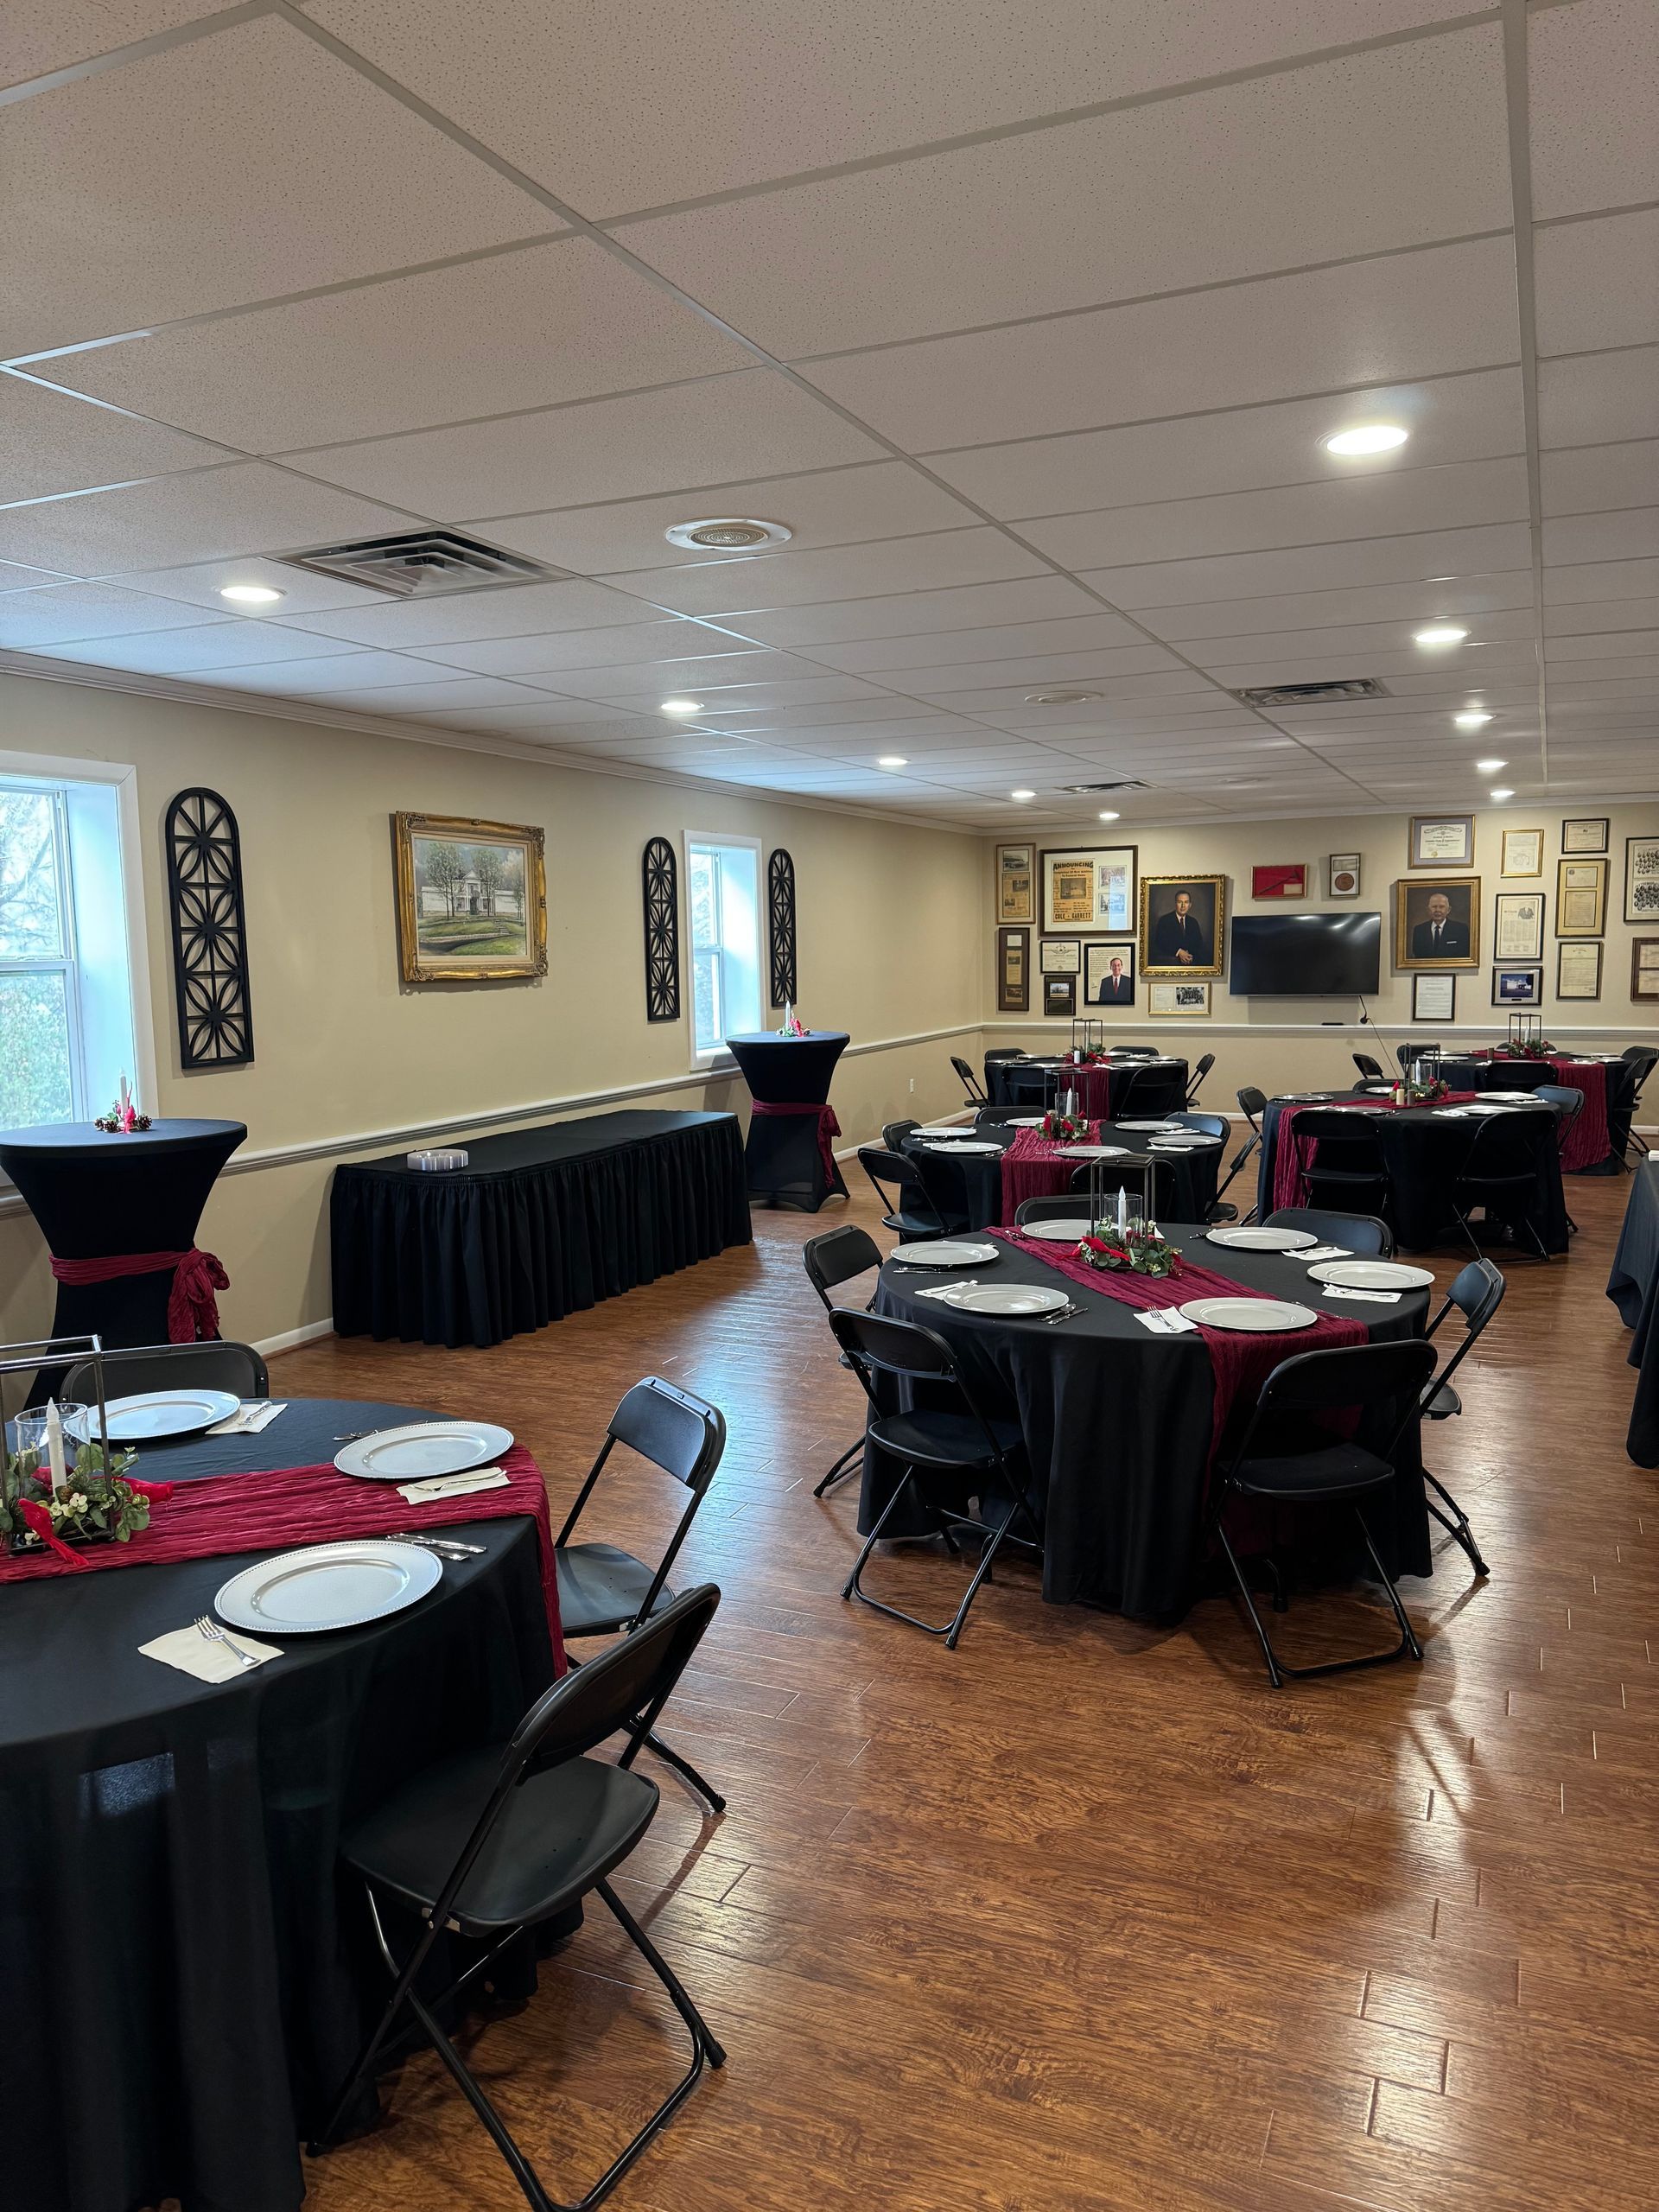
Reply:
x=1274, y=1675
x=846, y=1466
x=951, y=1630
x=1278, y=1668
x=686, y=1772
x=1455, y=1519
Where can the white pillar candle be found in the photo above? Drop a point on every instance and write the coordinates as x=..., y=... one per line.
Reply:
x=55, y=1445
x=1123, y=1209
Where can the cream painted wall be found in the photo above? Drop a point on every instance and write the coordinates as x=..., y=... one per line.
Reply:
x=888, y=919
x=1281, y=1044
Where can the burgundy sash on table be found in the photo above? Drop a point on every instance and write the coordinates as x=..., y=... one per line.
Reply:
x=223, y=1514
x=192, y=1310
x=1589, y=1141
x=828, y=1127
x=1032, y=1167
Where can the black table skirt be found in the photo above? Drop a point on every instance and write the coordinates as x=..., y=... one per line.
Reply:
x=173, y=1925
x=1463, y=1073
x=1159, y=1086
x=1633, y=1287
x=543, y=1223
x=783, y=1160
x=967, y=1188
x=1116, y=1424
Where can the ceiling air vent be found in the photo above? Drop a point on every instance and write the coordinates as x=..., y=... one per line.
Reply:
x=1059, y=698
x=1312, y=694
x=421, y=564
x=1098, y=791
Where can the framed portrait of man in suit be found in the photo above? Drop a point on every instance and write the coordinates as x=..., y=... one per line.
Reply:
x=1183, y=925
x=1437, y=924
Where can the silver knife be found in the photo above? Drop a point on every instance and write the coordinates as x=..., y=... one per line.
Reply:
x=449, y=1545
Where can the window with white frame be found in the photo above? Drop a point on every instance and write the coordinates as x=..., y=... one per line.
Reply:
x=722, y=898
x=67, y=1019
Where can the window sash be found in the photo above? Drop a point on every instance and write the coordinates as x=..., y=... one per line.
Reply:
x=65, y=963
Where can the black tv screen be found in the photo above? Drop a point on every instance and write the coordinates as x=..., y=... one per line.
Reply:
x=1306, y=956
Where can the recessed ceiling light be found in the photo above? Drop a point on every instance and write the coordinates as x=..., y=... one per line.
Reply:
x=682, y=706
x=1059, y=698
x=892, y=760
x=252, y=594
x=1472, y=719
x=1367, y=437
x=1107, y=815
x=729, y=534
x=1490, y=767
x=1440, y=633
x=1023, y=795
x=1503, y=791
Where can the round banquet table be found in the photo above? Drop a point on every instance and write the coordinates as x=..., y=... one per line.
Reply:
x=1102, y=1090
x=1117, y=1426
x=1597, y=1146
x=1423, y=1152
x=966, y=1188
x=96, y=1196
x=786, y=1156
x=172, y=1925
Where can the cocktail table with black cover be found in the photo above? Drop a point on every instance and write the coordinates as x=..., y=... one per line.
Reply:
x=100, y=1198
x=182, y=1984
x=1633, y=1286
x=787, y=1157
x=967, y=1187
x=1117, y=1426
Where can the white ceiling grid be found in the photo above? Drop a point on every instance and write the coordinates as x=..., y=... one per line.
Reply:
x=1029, y=323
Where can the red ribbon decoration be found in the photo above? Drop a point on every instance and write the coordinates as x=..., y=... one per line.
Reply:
x=40, y=1521
x=828, y=1127
x=192, y=1309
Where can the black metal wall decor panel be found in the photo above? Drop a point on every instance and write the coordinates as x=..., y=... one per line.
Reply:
x=661, y=874
x=210, y=940
x=780, y=917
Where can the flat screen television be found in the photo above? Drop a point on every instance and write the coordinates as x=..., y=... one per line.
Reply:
x=1306, y=956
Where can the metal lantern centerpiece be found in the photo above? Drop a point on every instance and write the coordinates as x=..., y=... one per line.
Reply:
x=1087, y=1036
x=1526, y=1032
x=44, y=1356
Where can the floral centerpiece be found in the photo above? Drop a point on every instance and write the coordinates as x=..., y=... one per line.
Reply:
x=1136, y=1246
x=1426, y=1094
x=94, y=1503
x=122, y=1119
x=1533, y=1048
x=1063, y=1129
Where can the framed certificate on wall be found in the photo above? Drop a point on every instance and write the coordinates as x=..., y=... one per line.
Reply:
x=1518, y=926
x=1578, y=971
x=1581, y=898
x=1013, y=971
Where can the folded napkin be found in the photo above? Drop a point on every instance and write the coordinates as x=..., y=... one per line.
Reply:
x=249, y=1420
x=1164, y=1321
x=1324, y=1252
x=453, y=1485
x=1365, y=1297
x=192, y=1653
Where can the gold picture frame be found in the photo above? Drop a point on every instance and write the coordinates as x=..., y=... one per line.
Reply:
x=1415, y=920
x=1015, y=894
x=472, y=898
x=1580, y=896
x=1522, y=853
x=1164, y=922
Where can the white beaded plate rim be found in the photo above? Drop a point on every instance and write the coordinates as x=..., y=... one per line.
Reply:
x=363, y=1580
x=1249, y=1316
x=944, y=1254
x=1262, y=1239
x=1371, y=1274
x=417, y=1450
x=149, y=1415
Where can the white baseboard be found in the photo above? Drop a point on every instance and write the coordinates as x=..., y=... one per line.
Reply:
x=290, y=1339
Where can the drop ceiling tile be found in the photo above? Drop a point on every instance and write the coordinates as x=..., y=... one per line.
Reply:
x=50, y=444
x=1598, y=283
x=720, y=702
x=1337, y=609
x=541, y=653
x=832, y=714
x=201, y=584
x=1631, y=535
x=1240, y=449
x=842, y=506
x=527, y=329
x=1009, y=702
x=1590, y=581
x=664, y=679
x=1475, y=664
x=246, y=507
x=1066, y=635
x=914, y=733
x=1597, y=397
x=748, y=424
x=15, y=575
x=1052, y=672
x=907, y=615
x=183, y=653
x=1408, y=316
x=62, y=612
x=320, y=675
x=512, y=611
x=1364, y=643
x=461, y=695
x=1610, y=652
x=1586, y=618
x=1493, y=551
x=574, y=721
x=1593, y=74
x=44, y=35
x=1113, y=207
x=1592, y=479
x=129, y=191
x=933, y=562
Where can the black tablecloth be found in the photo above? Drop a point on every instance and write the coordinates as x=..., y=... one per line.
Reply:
x=1423, y=1152
x=1633, y=1287
x=173, y=1929
x=967, y=1188
x=1463, y=1073
x=541, y=1224
x=783, y=1160
x=1161, y=1088
x=1117, y=1426
x=96, y=1196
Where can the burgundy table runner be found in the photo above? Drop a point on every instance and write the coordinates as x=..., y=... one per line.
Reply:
x=1032, y=1167
x=1588, y=1143
x=220, y=1515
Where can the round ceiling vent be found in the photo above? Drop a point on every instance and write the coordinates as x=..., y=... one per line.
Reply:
x=729, y=534
x=1059, y=698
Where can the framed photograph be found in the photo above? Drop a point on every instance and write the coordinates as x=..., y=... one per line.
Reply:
x=1517, y=986
x=1585, y=834
x=1518, y=926
x=1578, y=971
x=1183, y=925
x=1279, y=881
x=1090, y=887
x=1523, y=853
x=1059, y=997
x=1059, y=955
x=1641, y=879
x=1441, y=841
x=1109, y=973
x=1179, y=1001
x=1434, y=998
x=1437, y=924
x=472, y=898
x=1013, y=971
x=1016, y=885
x=1581, y=898
x=1342, y=875
x=1644, y=968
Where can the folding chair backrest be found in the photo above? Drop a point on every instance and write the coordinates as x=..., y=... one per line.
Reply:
x=1336, y=1125
x=997, y=1117
x=877, y=1344
x=1252, y=1103
x=1370, y=1069
x=1505, y=1147
x=1361, y=1233
x=1007, y=1052
x=1212, y=1125
x=894, y=1133
x=1567, y=1102
x=837, y=1256
x=212, y=1365
x=1206, y=1062
x=1352, y=1375
x=969, y=1080
x=1063, y=1208
x=681, y=1434
x=1476, y=1291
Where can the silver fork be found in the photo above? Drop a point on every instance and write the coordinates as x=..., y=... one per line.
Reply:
x=1065, y=1314
x=214, y=1634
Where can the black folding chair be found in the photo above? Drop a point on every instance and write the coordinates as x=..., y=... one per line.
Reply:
x=1370, y=1068
x=833, y=1258
x=932, y=1444
x=1348, y=1169
x=894, y=1133
x=1644, y=1059
x=1150, y=1091
x=1149, y=1180
x=603, y=1591
x=1210, y=1125
x=1063, y=1208
x=1252, y=1103
x=1500, y=1173
x=1477, y=1292
x=909, y=1207
x=1567, y=1104
x=997, y=1117
x=1205, y=1063
x=496, y=1840
x=1361, y=1234
x=973, y=1096
x=1301, y=1462
x=213, y=1364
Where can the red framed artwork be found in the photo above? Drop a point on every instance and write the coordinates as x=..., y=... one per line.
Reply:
x=1278, y=882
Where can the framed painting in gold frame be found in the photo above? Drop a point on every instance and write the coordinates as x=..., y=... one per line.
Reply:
x=472, y=898
x=1183, y=925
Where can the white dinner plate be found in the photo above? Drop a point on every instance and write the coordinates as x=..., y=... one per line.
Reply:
x=1146, y=1125
x=1510, y=1097
x=1371, y=1274
x=327, y=1585
x=1194, y=1143
x=1024, y=1121
x=1263, y=1240
x=1056, y=1232
x=1249, y=1315
x=943, y=1129
x=945, y=1255
x=964, y=1147
x=1010, y=1298
x=149, y=1414
x=1094, y=1151
x=423, y=1448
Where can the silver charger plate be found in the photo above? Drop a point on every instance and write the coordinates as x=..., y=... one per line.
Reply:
x=1094, y=1151
x=329, y=1585
x=149, y=1415
x=947, y=1253
x=1262, y=1240
x=1249, y=1316
x=1370, y=1274
x=972, y=1147
x=1009, y=1297
x=422, y=1448
x=1057, y=1232
x=1164, y=1125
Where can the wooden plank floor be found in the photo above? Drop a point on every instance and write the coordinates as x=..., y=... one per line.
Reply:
x=1082, y=1914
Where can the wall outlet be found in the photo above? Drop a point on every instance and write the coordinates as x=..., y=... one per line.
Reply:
x=912, y=1085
